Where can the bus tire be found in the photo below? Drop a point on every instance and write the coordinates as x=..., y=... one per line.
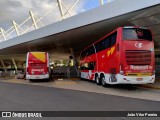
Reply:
x=103, y=81
x=97, y=80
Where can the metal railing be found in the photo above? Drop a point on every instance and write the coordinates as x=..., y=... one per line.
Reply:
x=17, y=29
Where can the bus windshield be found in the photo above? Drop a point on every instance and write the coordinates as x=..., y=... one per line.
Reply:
x=136, y=34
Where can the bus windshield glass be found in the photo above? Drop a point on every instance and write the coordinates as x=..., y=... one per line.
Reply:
x=136, y=34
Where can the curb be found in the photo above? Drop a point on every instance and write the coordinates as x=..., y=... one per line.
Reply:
x=149, y=86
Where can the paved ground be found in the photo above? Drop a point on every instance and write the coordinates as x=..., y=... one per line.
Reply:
x=140, y=92
x=75, y=94
x=22, y=97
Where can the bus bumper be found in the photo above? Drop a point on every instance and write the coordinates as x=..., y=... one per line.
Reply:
x=135, y=79
x=37, y=76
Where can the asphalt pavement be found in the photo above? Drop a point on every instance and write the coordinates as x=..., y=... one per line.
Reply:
x=135, y=91
x=19, y=97
x=28, y=97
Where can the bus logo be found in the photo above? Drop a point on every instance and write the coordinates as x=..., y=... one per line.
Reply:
x=110, y=52
x=138, y=45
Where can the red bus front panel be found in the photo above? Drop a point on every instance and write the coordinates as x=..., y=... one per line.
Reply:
x=37, y=64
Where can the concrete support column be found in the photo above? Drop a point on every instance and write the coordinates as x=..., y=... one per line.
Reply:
x=74, y=62
x=68, y=72
x=72, y=54
x=4, y=67
x=15, y=66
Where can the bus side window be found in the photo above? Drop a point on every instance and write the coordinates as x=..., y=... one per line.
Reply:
x=83, y=66
x=91, y=65
x=100, y=46
x=88, y=66
x=113, y=39
x=92, y=51
x=106, y=42
x=97, y=45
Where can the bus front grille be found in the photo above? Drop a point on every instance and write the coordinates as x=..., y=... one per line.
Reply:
x=138, y=57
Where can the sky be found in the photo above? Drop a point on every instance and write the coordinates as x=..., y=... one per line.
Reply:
x=18, y=10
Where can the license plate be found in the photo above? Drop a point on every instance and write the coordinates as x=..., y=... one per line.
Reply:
x=139, y=79
x=37, y=77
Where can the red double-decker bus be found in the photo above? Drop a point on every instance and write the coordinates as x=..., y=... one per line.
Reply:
x=124, y=56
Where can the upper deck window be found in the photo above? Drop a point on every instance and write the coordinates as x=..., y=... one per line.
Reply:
x=136, y=34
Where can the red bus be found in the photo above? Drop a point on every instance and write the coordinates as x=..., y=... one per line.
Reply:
x=37, y=65
x=124, y=56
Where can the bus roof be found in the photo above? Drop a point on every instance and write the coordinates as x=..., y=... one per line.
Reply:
x=37, y=52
